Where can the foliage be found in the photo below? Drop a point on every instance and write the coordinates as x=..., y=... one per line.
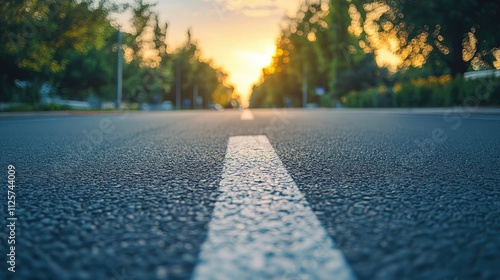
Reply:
x=72, y=46
x=454, y=34
x=432, y=91
x=36, y=107
x=334, y=45
x=39, y=32
x=315, y=50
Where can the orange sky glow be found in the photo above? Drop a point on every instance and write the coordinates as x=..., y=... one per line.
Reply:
x=239, y=35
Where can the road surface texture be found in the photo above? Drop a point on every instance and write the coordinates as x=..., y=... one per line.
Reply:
x=380, y=194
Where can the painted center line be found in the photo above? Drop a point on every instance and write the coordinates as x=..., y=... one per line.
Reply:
x=246, y=115
x=262, y=226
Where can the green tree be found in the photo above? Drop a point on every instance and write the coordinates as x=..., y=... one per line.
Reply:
x=41, y=36
x=458, y=33
x=315, y=49
x=89, y=74
x=72, y=45
x=200, y=77
x=39, y=32
x=341, y=47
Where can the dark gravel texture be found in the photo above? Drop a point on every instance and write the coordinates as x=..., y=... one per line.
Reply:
x=135, y=204
x=393, y=214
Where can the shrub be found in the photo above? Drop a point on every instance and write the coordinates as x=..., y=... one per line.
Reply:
x=36, y=107
x=432, y=91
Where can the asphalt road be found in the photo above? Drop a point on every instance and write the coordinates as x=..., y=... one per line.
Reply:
x=403, y=195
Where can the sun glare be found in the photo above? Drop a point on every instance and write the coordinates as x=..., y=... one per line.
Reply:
x=247, y=69
x=385, y=58
x=259, y=59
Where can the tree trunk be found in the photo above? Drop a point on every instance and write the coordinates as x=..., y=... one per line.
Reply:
x=454, y=59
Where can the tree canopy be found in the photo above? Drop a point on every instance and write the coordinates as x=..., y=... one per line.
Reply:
x=72, y=46
x=315, y=52
x=459, y=34
x=335, y=45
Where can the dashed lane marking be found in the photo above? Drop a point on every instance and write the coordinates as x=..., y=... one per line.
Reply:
x=262, y=226
x=246, y=115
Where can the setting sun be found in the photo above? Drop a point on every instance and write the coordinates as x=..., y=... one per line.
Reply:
x=250, y=62
x=385, y=58
x=239, y=38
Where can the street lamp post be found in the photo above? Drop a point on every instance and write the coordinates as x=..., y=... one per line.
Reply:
x=119, y=72
x=178, y=85
x=195, y=95
x=304, y=85
x=335, y=61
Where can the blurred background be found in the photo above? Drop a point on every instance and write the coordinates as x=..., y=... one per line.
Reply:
x=214, y=54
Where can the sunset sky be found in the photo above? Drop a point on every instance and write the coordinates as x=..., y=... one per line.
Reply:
x=239, y=35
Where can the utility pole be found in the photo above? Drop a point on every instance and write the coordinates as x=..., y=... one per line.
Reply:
x=119, y=72
x=195, y=95
x=178, y=85
x=304, y=85
x=335, y=60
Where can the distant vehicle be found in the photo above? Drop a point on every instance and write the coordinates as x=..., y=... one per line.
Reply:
x=311, y=106
x=75, y=104
x=164, y=106
x=167, y=105
x=471, y=75
x=216, y=106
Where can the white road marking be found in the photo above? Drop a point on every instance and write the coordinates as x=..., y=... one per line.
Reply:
x=246, y=115
x=262, y=226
